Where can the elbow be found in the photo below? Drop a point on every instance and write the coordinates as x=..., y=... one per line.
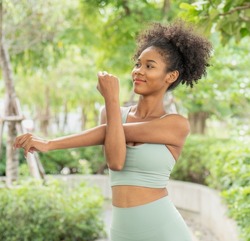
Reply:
x=116, y=160
x=115, y=167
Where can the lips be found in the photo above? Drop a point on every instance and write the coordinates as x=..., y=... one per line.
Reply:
x=139, y=81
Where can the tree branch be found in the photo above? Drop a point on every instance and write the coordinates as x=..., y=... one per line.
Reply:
x=126, y=7
x=246, y=6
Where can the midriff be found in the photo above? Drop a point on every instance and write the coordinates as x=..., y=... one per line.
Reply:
x=131, y=196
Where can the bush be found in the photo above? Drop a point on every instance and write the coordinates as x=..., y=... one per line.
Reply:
x=229, y=165
x=222, y=164
x=230, y=172
x=192, y=164
x=79, y=160
x=238, y=201
x=33, y=212
x=86, y=160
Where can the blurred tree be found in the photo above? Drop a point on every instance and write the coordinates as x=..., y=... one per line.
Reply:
x=52, y=32
x=227, y=82
x=12, y=114
x=59, y=46
x=224, y=92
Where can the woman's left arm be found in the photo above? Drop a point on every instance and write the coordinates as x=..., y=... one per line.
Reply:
x=114, y=142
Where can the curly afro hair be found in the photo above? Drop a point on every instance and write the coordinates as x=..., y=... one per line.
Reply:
x=181, y=47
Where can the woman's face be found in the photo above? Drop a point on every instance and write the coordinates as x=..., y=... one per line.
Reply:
x=149, y=73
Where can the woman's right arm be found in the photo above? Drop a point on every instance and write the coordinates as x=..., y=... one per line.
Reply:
x=91, y=137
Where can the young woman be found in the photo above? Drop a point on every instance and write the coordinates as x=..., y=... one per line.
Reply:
x=143, y=142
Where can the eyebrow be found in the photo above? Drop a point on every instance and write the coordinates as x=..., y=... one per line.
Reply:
x=149, y=60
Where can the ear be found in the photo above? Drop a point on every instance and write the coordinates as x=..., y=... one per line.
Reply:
x=172, y=76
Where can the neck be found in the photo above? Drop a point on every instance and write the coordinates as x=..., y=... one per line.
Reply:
x=149, y=107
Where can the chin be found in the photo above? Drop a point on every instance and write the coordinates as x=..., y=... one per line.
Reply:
x=136, y=91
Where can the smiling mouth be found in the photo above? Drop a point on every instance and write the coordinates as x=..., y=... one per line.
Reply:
x=139, y=80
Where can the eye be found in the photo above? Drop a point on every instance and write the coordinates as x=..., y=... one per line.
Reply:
x=137, y=65
x=149, y=66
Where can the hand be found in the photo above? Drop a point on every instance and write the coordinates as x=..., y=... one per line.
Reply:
x=30, y=143
x=108, y=86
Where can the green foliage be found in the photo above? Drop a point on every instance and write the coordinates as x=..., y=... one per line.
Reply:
x=222, y=164
x=33, y=211
x=79, y=160
x=192, y=164
x=121, y=22
x=230, y=18
x=61, y=60
x=230, y=172
x=34, y=28
x=3, y=159
x=2, y=168
x=238, y=201
x=229, y=166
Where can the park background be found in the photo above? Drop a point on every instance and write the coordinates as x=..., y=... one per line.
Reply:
x=54, y=50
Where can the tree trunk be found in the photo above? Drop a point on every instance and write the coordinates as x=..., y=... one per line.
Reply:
x=44, y=115
x=11, y=155
x=83, y=119
x=12, y=161
x=166, y=7
x=197, y=122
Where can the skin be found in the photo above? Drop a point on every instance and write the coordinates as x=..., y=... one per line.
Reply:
x=147, y=122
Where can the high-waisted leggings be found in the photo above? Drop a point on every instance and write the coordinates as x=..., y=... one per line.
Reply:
x=155, y=221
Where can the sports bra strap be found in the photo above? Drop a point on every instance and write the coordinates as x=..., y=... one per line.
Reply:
x=125, y=111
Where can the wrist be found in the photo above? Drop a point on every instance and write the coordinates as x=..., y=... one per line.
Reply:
x=112, y=100
x=112, y=104
x=49, y=146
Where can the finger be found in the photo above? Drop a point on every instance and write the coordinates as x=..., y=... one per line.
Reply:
x=23, y=141
x=102, y=73
x=18, y=141
x=98, y=87
x=27, y=142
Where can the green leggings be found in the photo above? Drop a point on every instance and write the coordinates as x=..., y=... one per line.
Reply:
x=155, y=221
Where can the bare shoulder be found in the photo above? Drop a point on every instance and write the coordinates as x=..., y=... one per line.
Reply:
x=178, y=121
x=103, y=116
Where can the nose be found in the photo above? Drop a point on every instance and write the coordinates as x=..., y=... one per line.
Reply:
x=139, y=70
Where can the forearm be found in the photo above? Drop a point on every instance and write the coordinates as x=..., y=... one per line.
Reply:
x=115, y=142
x=91, y=137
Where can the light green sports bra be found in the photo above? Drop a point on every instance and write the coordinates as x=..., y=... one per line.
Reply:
x=146, y=165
